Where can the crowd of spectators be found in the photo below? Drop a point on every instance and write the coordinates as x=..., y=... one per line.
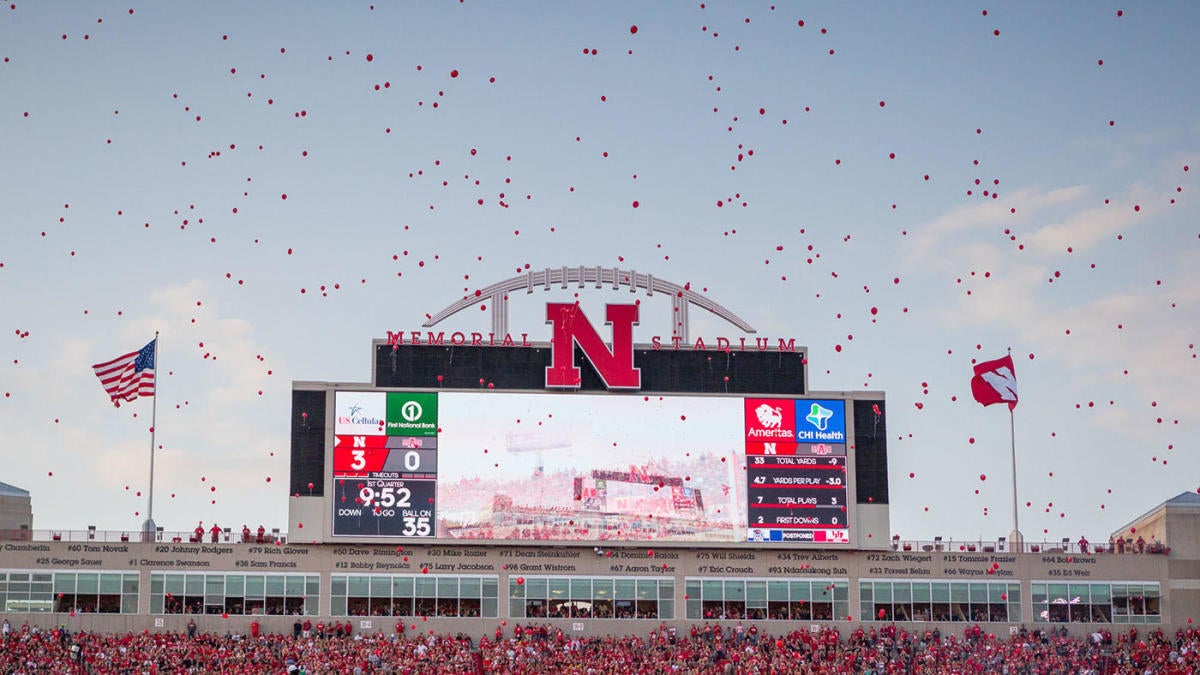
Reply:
x=542, y=648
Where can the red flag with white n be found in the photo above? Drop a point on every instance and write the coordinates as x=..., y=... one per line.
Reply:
x=995, y=382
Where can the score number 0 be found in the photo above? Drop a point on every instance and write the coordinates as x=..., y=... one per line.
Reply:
x=412, y=460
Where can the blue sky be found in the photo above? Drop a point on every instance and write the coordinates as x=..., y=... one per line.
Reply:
x=146, y=156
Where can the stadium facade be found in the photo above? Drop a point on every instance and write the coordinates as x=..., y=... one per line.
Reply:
x=601, y=486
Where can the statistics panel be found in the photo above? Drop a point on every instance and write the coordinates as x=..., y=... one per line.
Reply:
x=796, y=484
x=385, y=464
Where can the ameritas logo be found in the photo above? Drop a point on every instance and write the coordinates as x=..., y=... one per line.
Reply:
x=770, y=419
x=411, y=414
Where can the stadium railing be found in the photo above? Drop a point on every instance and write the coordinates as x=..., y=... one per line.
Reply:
x=274, y=536
x=160, y=536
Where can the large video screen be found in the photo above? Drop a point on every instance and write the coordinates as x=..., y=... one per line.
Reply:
x=589, y=467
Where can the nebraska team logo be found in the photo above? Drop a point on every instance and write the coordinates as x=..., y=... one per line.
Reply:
x=771, y=448
x=571, y=327
x=995, y=382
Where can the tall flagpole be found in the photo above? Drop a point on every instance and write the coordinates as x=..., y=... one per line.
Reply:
x=149, y=529
x=1015, y=538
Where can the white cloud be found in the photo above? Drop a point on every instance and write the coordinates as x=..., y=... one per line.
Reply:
x=1084, y=229
x=929, y=242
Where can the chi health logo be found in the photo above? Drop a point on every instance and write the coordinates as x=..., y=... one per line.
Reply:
x=411, y=411
x=819, y=416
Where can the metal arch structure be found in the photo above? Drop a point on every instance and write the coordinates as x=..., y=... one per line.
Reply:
x=682, y=298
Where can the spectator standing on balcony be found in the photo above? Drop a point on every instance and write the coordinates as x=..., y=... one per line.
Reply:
x=1083, y=545
x=245, y=534
x=216, y=532
x=1141, y=544
x=262, y=533
x=199, y=532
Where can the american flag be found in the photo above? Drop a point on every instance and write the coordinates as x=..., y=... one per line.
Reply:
x=130, y=375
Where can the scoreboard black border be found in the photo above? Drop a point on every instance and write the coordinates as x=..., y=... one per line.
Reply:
x=664, y=371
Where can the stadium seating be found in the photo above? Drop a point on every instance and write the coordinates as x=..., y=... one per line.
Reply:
x=709, y=648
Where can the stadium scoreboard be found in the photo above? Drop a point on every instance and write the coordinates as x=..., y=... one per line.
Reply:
x=588, y=440
x=584, y=467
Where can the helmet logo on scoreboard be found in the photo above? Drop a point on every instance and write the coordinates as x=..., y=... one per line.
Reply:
x=411, y=411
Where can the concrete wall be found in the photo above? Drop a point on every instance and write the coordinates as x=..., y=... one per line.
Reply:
x=1180, y=602
x=16, y=513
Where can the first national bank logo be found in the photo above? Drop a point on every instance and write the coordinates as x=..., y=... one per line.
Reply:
x=411, y=411
x=411, y=414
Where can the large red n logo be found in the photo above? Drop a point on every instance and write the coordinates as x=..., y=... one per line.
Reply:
x=571, y=327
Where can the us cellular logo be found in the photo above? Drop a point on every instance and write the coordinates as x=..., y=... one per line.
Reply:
x=356, y=416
